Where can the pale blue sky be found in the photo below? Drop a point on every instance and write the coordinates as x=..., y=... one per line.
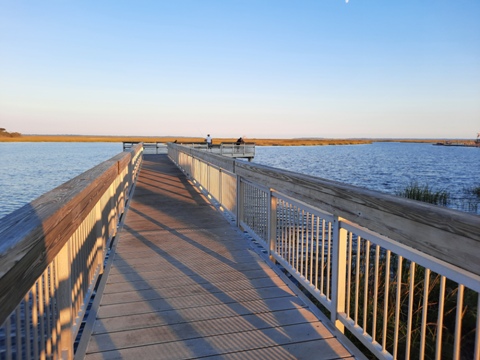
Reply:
x=258, y=68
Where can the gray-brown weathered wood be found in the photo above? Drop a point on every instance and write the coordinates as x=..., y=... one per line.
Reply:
x=446, y=234
x=32, y=236
x=184, y=283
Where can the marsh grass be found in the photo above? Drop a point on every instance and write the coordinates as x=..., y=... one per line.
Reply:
x=474, y=190
x=182, y=140
x=425, y=194
x=426, y=297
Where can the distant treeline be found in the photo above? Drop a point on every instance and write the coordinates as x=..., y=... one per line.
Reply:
x=5, y=133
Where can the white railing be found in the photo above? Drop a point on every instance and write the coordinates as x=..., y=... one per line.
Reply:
x=234, y=150
x=399, y=276
x=148, y=147
x=52, y=251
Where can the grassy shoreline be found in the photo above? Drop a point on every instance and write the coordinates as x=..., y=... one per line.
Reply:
x=259, y=142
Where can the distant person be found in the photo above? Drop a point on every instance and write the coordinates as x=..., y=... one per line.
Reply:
x=240, y=141
x=209, y=141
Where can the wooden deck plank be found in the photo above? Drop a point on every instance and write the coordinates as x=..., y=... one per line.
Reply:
x=203, y=346
x=190, y=311
x=194, y=329
x=184, y=283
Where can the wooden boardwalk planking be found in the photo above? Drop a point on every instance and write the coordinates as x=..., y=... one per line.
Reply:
x=184, y=283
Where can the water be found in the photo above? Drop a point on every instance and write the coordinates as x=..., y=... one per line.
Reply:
x=387, y=167
x=28, y=170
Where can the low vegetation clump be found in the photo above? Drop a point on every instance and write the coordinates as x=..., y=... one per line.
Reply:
x=5, y=133
x=475, y=191
x=424, y=193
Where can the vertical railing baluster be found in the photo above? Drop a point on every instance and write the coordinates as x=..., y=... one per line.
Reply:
x=322, y=267
x=240, y=201
x=397, y=306
x=290, y=234
x=357, y=279
x=317, y=251
x=312, y=242
x=41, y=310
x=385, y=302
x=272, y=226
x=28, y=312
x=349, y=273
x=441, y=308
x=423, y=330
x=477, y=331
x=375, y=294
x=458, y=323
x=8, y=339
x=411, y=290
x=18, y=332
x=365, y=285
x=339, y=257
x=64, y=300
x=302, y=241
x=35, y=319
x=329, y=260
x=48, y=312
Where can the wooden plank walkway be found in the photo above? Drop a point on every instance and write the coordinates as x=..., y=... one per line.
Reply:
x=184, y=283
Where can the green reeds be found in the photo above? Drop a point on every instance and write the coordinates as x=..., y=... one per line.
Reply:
x=424, y=193
x=475, y=191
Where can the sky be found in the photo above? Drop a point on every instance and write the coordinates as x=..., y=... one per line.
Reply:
x=252, y=68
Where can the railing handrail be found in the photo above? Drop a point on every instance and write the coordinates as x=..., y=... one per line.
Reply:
x=455, y=235
x=33, y=235
x=357, y=252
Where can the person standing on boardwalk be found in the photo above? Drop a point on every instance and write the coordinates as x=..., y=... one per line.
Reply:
x=209, y=141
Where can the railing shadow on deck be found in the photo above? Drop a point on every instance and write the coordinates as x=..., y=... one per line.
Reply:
x=398, y=276
x=52, y=252
x=141, y=287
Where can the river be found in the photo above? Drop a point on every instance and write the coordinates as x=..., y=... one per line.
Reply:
x=27, y=170
x=388, y=167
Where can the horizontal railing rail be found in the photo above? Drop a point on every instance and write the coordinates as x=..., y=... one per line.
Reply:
x=400, y=277
x=148, y=147
x=234, y=150
x=52, y=252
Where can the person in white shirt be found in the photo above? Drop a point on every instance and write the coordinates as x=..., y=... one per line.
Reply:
x=209, y=141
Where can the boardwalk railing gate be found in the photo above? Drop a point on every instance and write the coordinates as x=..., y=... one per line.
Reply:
x=400, y=277
x=52, y=251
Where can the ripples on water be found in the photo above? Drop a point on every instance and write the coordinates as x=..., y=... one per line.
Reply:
x=386, y=167
x=28, y=170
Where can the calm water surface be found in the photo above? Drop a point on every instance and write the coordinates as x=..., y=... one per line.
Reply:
x=28, y=170
x=387, y=167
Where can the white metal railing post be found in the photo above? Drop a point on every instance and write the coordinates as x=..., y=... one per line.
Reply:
x=64, y=298
x=240, y=201
x=339, y=265
x=272, y=225
x=220, y=186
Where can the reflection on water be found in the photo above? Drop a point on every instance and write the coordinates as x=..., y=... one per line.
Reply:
x=28, y=170
x=386, y=167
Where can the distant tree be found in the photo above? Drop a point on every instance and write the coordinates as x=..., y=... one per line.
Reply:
x=5, y=133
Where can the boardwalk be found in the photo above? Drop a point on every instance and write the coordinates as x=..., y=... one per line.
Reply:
x=184, y=283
